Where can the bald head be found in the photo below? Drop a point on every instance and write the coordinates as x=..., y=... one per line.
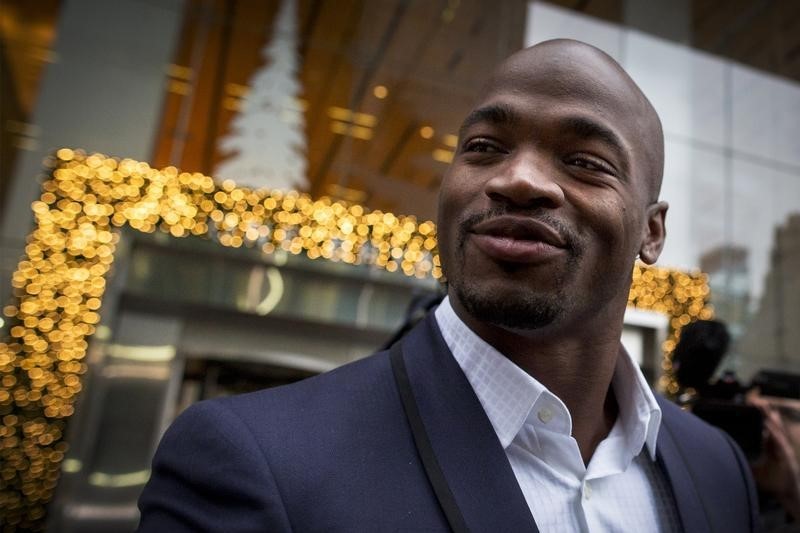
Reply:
x=567, y=70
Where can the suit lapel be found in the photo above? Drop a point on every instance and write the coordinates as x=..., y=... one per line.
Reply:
x=463, y=440
x=680, y=477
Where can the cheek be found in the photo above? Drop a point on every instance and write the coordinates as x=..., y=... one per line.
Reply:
x=447, y=221
x=455, y=197
x=610, y=223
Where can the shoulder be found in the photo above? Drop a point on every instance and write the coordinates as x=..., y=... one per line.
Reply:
x=696, y=436
x=348, y=412
x=232, y=458
x=704, y=460
x=699, y=443
x=209, y=474
x=683, y=423
x=366, y=383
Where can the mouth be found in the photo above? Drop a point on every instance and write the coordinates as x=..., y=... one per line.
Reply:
x=517, y=239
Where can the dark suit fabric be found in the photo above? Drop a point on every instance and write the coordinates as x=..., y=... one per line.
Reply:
x=335, y=453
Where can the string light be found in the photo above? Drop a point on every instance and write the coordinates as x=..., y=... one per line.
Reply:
x=683, y=296
x=59, y=284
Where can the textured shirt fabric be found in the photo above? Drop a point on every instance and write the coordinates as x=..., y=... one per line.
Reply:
x=621, y=489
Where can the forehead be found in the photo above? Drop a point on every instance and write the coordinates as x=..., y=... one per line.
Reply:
x=571, y=77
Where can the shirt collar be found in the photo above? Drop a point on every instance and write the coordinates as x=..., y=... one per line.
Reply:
x=507, y=393
x=638, y=409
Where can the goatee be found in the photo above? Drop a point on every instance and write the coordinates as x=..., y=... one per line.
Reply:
x=522, y=310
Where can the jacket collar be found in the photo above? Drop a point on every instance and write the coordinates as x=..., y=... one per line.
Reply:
x=673, y=462
x=465, y=444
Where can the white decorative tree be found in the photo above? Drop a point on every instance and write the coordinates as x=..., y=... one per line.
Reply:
x=266, y=146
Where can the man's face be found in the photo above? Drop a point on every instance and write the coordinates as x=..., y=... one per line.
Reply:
x=550, y=195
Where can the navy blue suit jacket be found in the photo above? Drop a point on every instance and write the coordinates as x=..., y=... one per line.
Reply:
x=335, y=453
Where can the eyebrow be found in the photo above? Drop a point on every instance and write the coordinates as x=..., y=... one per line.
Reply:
x=497, y=114
x=586, y=128
x=583, y=127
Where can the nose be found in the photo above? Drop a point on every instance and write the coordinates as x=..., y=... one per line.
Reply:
x=526, y=180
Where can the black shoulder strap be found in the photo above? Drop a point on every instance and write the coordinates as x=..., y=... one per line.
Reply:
x=429, y=462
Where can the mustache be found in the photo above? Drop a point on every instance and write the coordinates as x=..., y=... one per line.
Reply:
x=570, y=236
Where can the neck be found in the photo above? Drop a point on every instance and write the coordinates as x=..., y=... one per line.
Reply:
x=580, y=375
x=576, y=365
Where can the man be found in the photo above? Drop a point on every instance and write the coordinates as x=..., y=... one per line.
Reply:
x=512, y=407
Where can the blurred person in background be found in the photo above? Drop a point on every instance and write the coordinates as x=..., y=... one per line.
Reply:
x=761, y=425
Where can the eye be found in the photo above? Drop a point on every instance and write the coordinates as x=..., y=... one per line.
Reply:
x=481, y=145
x=592, y=164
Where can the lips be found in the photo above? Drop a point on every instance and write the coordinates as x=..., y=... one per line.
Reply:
x=517, y=239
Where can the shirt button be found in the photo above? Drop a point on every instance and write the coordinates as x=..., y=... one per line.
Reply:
x=587, y=490
x=545, y=415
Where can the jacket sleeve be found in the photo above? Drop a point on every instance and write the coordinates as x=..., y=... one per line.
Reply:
x=209, y=474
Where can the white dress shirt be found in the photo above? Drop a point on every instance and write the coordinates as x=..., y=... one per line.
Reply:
x=621, y=489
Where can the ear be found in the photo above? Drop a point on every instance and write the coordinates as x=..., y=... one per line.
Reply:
x=654, y=233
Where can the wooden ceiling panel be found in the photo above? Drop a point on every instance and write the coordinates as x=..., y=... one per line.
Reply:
x=439, y=56
x=328, y=74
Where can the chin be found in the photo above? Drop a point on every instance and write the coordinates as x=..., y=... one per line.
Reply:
x=511, y=309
